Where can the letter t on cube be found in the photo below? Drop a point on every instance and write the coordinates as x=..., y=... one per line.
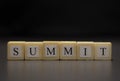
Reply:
x=103, y=51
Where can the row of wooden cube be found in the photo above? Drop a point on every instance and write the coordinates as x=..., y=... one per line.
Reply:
x=59, y=50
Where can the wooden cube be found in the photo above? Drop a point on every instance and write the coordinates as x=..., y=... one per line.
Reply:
x=33, y=50
x=103, y=50
x=15, y=50
x=68, y=50
x=85, y=50
x=50, y=50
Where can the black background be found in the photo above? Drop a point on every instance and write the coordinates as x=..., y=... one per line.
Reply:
x=59, y=18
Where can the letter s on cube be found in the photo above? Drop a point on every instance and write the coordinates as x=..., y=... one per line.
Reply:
x=15, y=50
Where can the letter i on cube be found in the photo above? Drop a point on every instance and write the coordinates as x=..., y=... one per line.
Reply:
x=16, y=50
x=85, y=50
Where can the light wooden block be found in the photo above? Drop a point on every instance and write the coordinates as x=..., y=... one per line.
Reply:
x=50, y=50
x=33, y=50
x=68, y=50
x=85, y=50
x=103, y=51
x=15, y=50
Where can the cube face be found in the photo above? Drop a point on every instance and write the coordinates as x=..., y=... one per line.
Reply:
x=67, y=50
x=15, y=50
x=50, y=50
x=33, y=50
x=85, y=50
x=103, y=50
